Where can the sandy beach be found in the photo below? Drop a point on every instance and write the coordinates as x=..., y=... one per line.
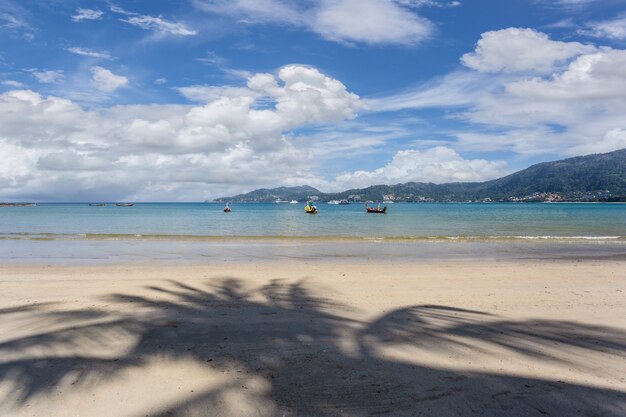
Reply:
x=506, y=338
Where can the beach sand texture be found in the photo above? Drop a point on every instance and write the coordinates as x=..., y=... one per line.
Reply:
x=509, y=338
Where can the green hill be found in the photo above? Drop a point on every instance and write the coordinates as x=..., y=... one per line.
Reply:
x=598, y=177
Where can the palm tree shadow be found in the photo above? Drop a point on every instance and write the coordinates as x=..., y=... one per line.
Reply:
x=313, y=358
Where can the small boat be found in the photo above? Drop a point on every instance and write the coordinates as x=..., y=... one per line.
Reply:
x=226, y=208
x=378, y=209
x=124, y=204
x=333, y=202
x=344, y=202
x=97, y=204
x=309, y=208
x=293, y=202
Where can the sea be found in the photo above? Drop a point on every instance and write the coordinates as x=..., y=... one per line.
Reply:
x=261, y=230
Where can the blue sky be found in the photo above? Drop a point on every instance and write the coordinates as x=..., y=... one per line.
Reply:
x=187, y=100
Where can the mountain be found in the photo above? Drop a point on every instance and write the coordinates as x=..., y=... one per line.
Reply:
x=580, y=174
x=299, y=193
x=599, y=177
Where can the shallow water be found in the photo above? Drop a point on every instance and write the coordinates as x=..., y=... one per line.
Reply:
x=276, y=221
x=78, y=233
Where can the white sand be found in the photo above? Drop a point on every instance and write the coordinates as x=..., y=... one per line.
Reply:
x=320, y=339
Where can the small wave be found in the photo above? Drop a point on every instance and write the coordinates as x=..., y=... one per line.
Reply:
x=286, y=238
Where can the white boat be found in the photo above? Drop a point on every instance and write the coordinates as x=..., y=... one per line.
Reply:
x=279, y=201
x=293, y=202
x=333, y=202
x=387, y=202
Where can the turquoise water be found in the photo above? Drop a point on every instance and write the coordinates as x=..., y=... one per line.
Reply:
x=403, y=221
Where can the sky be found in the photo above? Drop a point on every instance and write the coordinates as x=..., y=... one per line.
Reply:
x=140, y=100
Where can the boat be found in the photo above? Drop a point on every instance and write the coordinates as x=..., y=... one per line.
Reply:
x=344, y=202
x=388, y=201
x=279, y=201
x=333, y=202
x=377, y=210
x=227, y=209
x=97, y=204
x=293, y=202
x=310, y=209
x=124, y=204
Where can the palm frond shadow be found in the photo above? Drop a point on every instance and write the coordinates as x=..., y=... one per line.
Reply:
x=316, y=361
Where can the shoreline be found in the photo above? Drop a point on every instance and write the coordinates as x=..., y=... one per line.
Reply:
x=246, y=251
x=302, y=238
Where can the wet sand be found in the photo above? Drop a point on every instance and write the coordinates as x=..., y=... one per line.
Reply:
x=314, y=338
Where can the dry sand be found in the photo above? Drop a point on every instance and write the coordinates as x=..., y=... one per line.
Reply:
x=535, y=338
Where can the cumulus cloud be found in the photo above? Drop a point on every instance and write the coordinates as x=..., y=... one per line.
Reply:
x=105, y=80
x=61, y=151
x=520, y=50
x=87, y=14
x=374, y=22
x=89, y=52
x=525, y=93
x=439, y=164
x=586, y=101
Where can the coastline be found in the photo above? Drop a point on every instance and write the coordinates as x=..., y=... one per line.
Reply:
x=514, y=337
x=245, y=250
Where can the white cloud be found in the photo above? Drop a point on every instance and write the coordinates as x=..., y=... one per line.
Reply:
x=429, y=3
x=455, y=89
x=62, y=151
x=213, y=59
x=48, y=76
x=12, y=83
x=370, y=21
x=439, y=164
x=14, y=18
x=117, y=9
x=157, y=24
x=574, y=2
x=257, y=11
x=520, y=50
x=612, y=140
x=375, y=22
x=106, y=81
x=160, y=25
x=90, y=53
x=571, y=100
x=569, y=5
x=160, y=81
x=87, y=14
x=207, y=93
x=611, y=29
